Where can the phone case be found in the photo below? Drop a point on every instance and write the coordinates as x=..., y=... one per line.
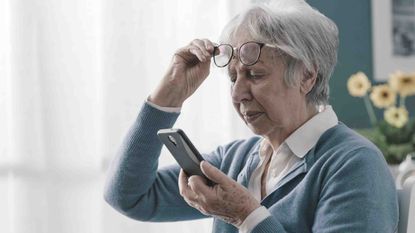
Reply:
x=182, y=150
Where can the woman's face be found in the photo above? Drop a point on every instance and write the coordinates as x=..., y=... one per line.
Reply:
x=266, y=104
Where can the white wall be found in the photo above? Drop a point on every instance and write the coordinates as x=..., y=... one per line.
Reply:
x=73, y=75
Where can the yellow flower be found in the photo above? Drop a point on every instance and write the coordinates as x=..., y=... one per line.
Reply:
x=382, y=96
x=358, y=84
x=397, y=117
x=403, y=83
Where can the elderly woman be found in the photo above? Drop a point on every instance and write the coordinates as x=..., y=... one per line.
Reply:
x=305, y=172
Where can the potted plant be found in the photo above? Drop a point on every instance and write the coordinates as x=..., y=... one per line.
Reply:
x=395, y=133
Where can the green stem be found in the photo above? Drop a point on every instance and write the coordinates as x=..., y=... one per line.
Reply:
x=402, y=101
x=370, y=111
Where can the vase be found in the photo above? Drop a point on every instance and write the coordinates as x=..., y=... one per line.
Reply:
x=394, y=169
x=406, y=169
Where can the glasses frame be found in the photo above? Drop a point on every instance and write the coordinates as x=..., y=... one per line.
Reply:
x=261, y=45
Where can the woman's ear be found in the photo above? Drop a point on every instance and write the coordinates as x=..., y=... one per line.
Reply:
x=308, y=81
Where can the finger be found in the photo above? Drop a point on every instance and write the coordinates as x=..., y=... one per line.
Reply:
x=195, y=179
x=185, y=191
x=199, y=208
x=199, y=186
x=209, y=45
x=185, y=55
x=191, y=54
x=214, y=174
x=182, y=181
x=201, y=45
x=198, y=53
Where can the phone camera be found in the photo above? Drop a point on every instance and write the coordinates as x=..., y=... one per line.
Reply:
x=172, y=140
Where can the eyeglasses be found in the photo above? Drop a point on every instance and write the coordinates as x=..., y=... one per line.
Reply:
x=248, y=53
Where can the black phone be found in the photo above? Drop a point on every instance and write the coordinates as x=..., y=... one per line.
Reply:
x=183, y=151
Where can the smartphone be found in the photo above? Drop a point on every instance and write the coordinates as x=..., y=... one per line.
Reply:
x=182, y=150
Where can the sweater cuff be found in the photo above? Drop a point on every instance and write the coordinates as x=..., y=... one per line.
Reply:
x=270, y=224
x=164, y=109
x=254, y=219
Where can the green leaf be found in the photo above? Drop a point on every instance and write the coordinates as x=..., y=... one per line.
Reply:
x=395, y=135
x=393, y=152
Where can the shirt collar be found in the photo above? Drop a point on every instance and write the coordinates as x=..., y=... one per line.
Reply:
x=264, y=149
x=307, y=135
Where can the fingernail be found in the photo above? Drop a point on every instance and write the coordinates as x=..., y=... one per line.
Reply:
x=205, y=163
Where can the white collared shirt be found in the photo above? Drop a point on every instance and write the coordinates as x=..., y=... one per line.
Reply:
x=283, y=159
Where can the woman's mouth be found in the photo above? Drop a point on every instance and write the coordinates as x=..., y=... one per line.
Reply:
x=251, y=116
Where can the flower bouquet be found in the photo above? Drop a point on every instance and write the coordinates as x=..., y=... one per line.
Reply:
x=395, y=133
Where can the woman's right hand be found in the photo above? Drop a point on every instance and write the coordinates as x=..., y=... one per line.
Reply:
x=189, y=68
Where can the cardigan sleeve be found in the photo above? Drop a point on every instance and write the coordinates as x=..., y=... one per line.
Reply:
x=357, y=196
x=134, y=186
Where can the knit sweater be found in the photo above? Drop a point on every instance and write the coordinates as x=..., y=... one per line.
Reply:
x=342, y=185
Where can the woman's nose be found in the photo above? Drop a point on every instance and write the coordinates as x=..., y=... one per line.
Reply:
x=241, y=90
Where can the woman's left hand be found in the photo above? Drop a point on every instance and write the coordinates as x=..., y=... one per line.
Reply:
x=226, y=200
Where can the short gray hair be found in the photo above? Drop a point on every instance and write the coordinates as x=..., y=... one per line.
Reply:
x=305, y=37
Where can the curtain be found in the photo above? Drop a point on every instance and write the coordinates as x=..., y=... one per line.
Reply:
x=73, y=75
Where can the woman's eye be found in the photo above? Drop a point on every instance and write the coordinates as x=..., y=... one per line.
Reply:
x=255, y=75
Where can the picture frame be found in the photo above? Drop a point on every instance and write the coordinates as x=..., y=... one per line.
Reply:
x=393, y=37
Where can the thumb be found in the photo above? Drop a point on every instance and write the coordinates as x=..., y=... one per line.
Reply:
x=214, y=174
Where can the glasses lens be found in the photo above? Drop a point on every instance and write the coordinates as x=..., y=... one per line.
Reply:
x=222, y=55
x=249, y=53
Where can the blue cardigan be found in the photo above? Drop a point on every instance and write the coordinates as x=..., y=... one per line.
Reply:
x=342, y=185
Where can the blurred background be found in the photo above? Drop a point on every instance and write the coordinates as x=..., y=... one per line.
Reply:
x=73, y=75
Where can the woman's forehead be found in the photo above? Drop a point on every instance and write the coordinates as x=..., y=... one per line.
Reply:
x=239, y=37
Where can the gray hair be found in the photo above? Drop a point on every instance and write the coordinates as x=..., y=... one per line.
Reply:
x=306, y=38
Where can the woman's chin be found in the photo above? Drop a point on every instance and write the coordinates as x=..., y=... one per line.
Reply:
x=257, y=129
